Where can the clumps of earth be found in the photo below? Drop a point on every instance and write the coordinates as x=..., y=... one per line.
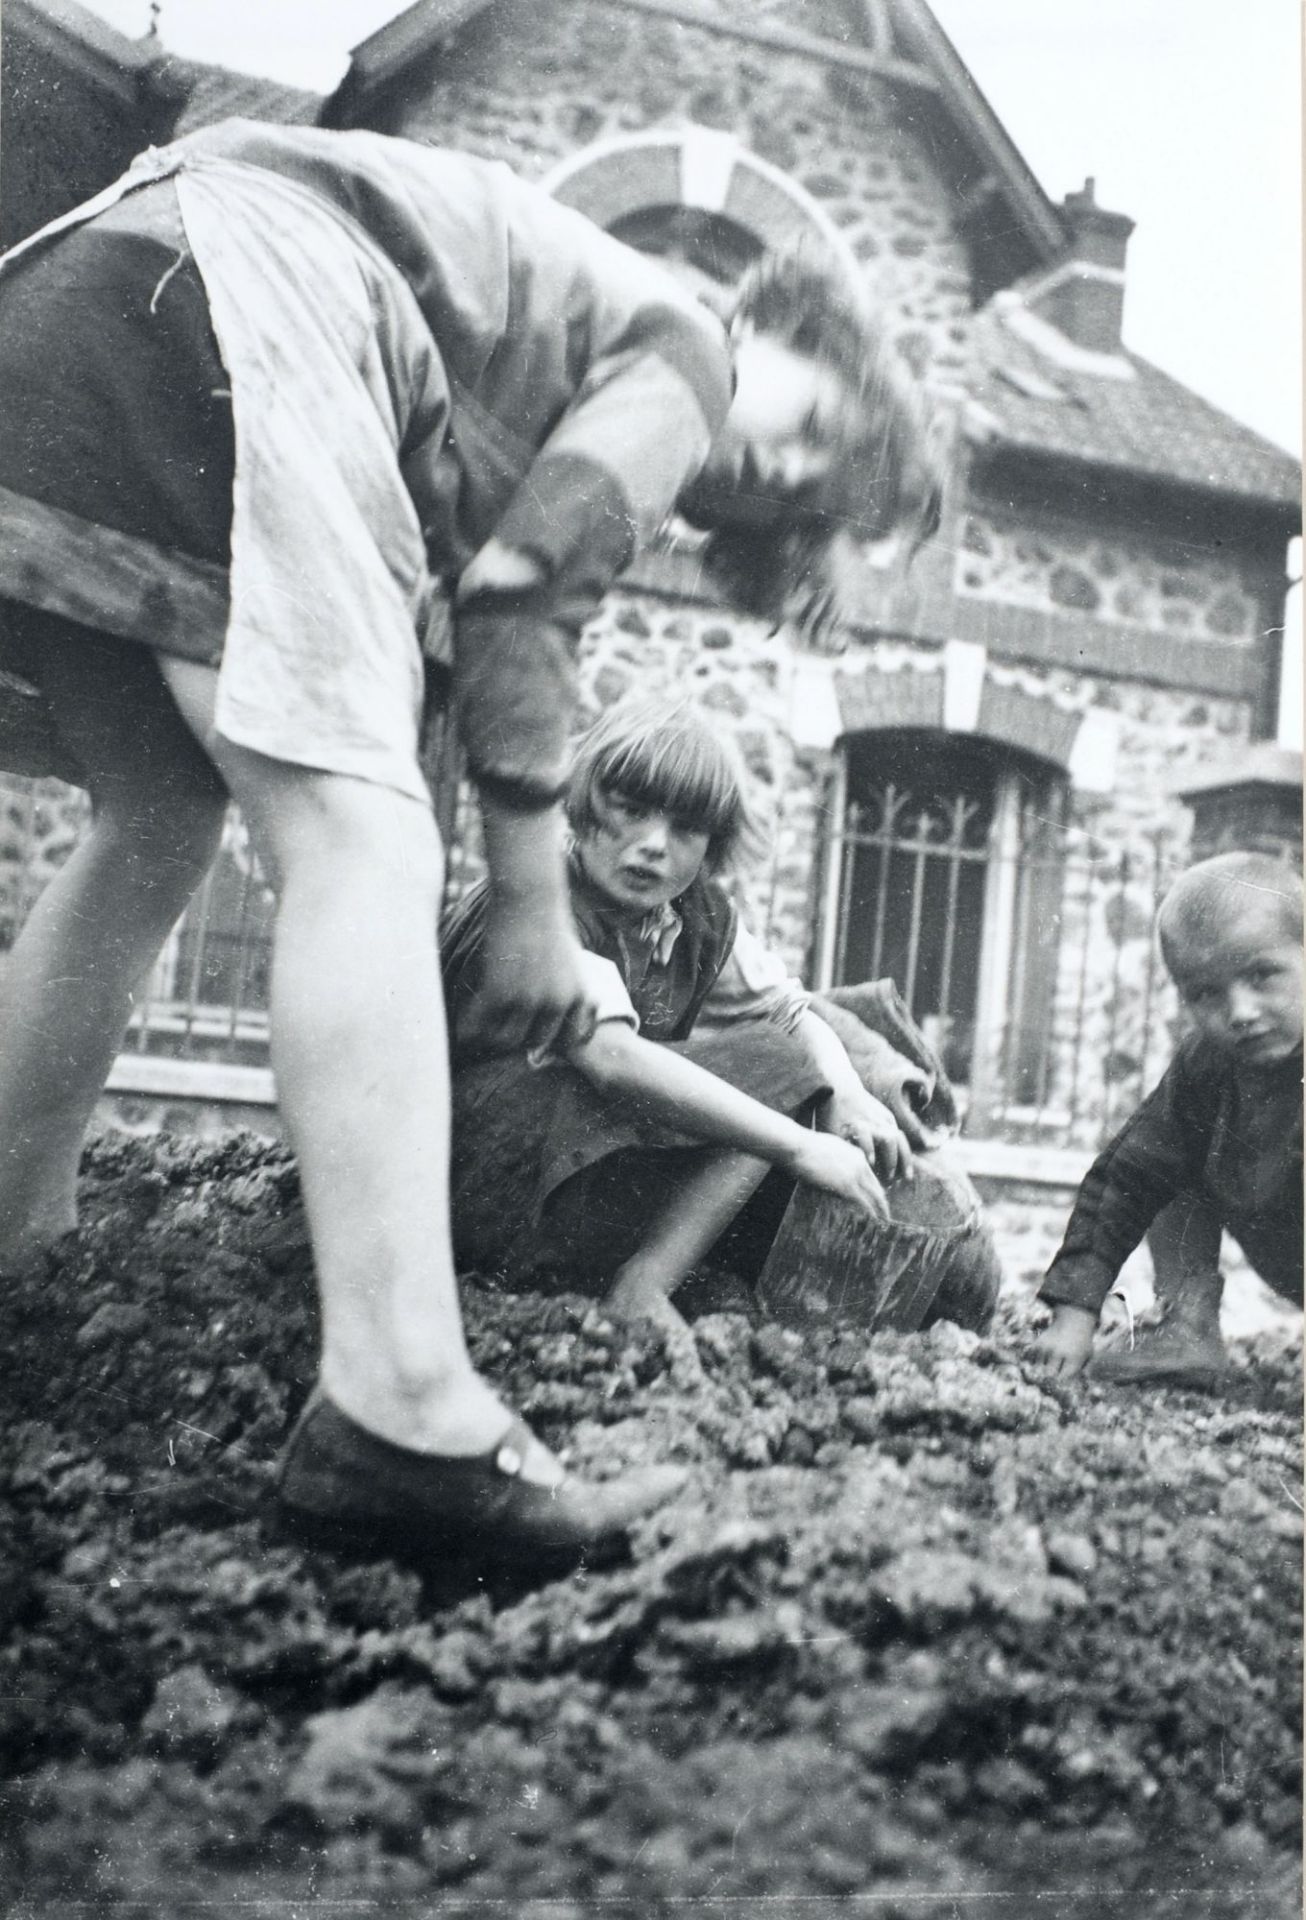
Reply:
x=923, y=1637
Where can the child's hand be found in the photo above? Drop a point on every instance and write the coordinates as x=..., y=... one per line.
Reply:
x=823, y=1160
x=1065, y=1344
x=858, y=1116
x=533, y=995
x=897, y=1082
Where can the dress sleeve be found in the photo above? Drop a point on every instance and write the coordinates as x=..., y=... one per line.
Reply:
x=640, y=426
x=753, y=985
x=1155, y=1156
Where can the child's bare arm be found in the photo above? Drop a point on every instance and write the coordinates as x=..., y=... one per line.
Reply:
x=664, y=1086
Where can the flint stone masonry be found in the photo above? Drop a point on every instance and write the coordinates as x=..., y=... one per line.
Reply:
x=1113, y=576
x=593, y=72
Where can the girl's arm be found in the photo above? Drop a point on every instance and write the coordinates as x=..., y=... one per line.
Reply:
x=532, y=992
x=666, y=1087
x=753, y=985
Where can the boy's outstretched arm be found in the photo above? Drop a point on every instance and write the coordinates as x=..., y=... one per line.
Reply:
x=664, y=1086
x=1155, y=1156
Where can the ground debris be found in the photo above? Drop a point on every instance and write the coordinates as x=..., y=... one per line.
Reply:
x=920, y=1630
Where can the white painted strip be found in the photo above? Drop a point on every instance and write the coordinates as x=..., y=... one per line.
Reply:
x=964, y=662
x=156, y=1077
x=707, y=164
x=1020, y=1162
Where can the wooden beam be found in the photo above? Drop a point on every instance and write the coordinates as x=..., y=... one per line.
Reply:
x=154, y=1076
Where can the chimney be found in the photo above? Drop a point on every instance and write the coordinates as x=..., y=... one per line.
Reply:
x=1084, y=294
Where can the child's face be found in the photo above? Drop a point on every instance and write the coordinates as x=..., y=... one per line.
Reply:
x=640, y=857
x=782, y=433
x=1243, y=985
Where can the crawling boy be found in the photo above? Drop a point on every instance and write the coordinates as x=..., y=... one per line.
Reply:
x=1224, y=1126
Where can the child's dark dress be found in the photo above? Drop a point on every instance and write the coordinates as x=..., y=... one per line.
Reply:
x=549, y=1175
x=551, y=1178
x=1230, y=1138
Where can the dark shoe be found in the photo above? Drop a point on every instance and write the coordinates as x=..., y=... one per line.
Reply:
x=344, y=1488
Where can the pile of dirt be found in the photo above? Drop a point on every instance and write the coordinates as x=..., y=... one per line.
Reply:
x=922, y=1632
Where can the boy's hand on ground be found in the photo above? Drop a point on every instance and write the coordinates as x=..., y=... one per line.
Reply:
x=1064, y=1346
x=824, y=1160
x=858, y=1116
x=533, y=995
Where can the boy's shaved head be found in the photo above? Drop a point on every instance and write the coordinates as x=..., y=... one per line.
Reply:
x=1231, y=887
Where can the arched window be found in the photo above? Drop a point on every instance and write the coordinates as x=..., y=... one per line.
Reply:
x=947, y=877
x=698, y=200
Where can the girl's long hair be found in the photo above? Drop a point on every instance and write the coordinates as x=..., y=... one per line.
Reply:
x=888, y=473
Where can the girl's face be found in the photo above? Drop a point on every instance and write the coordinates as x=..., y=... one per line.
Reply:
x=781, y=435
x=640, y=857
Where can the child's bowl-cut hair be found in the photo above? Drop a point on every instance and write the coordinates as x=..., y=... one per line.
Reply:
x=1207, y=898
x=665, y=755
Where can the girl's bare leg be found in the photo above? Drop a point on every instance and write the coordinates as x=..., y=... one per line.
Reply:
x=65, y=998
x=360, y=1058
x=690, y=1225
x=66, y=987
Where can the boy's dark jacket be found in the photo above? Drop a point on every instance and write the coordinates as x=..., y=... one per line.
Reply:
x=1226, y=1136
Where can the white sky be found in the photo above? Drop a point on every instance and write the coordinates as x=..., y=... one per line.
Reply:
x=1186, y=112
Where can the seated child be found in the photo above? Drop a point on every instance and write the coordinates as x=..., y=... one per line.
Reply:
x=628, y=1156
x=1222, y=1129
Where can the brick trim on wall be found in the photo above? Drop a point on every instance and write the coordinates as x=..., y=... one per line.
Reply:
x=1025, y=635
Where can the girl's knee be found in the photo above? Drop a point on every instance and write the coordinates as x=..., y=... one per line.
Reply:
x=305, y=822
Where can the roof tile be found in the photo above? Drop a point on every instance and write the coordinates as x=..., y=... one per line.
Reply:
x=1149, y=425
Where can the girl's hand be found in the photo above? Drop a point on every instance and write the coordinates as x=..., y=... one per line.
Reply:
x=1064, y=1346
x=823, y=1160
x=533, y=995
x=858, y=1116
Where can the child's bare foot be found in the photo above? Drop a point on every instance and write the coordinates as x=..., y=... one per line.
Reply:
x=635, y=1296
x=1170, y=1354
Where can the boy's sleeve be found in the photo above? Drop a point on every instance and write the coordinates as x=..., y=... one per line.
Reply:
x=1151, y=1160
x=640, y=426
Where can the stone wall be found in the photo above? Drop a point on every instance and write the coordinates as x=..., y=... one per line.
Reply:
x=536, y=81
x=1111, y=575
